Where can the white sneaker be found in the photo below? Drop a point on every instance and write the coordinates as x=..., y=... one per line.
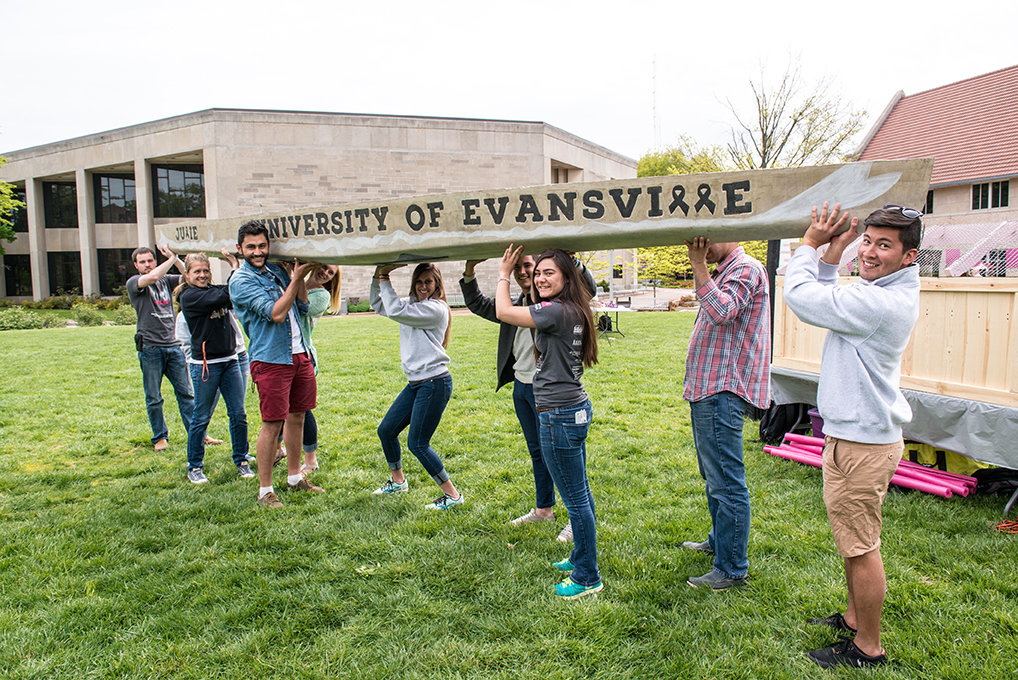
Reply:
x=531, y=517
x=566, y=534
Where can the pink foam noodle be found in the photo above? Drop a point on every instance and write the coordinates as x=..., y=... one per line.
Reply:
x=804, y=447
x=807, y=458
x=797, y=456
x=954, y=487
x=963, y=479
x=909, y=483
x=803, y=439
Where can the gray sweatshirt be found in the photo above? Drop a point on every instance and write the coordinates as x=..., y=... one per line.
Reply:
x=870, y=324
x=422, y=327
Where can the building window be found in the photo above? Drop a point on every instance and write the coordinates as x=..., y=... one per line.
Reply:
x=178, y=190
x=559, y=175
x=617, y=271
x=928, y=210
x=18, y=274
x=114, y=269
x=19, y=216
x=990, y=195
x=60, y=205
x=114, y=199
x=64, y=272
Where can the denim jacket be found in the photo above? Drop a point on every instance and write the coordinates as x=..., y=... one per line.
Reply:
x=254, y=293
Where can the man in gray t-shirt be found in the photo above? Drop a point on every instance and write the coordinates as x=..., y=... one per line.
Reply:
x=159, y=351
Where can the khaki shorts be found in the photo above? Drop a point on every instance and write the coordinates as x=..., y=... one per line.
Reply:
x=855, y=483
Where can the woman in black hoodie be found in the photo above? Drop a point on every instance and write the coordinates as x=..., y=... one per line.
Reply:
x=213, y=363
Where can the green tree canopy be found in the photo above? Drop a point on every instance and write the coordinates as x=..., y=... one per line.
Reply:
x=668, y=264
x=684, y=158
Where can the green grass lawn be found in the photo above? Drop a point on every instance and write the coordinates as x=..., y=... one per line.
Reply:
x=113, y=566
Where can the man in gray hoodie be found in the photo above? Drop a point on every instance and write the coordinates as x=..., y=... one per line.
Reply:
x=859, y=399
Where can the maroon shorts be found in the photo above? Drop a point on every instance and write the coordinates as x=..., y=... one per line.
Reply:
x=285, y=388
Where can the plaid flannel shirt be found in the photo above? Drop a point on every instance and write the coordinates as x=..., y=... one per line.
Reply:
x=730, y=347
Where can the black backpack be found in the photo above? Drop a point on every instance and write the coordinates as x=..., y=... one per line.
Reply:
x=780, y=419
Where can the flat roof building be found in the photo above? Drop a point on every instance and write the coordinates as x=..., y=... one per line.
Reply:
x=91, y=200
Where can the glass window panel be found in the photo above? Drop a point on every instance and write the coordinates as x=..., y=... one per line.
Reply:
x=20, y=215
x=18, y=274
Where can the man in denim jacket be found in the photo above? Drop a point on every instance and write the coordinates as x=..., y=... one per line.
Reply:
x=268, y=304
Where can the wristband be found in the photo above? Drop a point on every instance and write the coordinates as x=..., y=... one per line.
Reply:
x=502, y=278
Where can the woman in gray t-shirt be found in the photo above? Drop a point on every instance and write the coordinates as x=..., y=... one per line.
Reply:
x=566, y=342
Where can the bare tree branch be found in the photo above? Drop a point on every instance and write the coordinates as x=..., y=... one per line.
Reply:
x=796, y=124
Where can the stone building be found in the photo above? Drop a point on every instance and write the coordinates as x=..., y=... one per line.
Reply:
x=91, y=200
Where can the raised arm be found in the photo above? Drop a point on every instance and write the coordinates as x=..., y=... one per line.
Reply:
x=297, y=290
x=504, y=308
x=146, y=280
x=481, y=305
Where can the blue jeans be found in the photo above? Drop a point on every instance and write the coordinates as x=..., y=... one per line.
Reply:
x=310, y=441
x=155, y=363
x=419, y=406
x=222, y=377
x=564, y=445
x=526, y=413
x=717, y=434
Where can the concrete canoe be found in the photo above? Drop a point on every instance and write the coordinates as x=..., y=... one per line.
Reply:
x=747, y=205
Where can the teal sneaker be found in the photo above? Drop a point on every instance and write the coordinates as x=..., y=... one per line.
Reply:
x=570, y=590
x=444, y=502
x=392, y=487
x=564, y=565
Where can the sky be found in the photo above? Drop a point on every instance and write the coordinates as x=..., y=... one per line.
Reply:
x=631, y=76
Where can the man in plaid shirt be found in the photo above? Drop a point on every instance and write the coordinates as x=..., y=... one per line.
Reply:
x=727, y=367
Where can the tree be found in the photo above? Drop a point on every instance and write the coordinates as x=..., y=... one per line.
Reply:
x=685, y=158
x=796, y=124
x=668, y=264
x=8, y=204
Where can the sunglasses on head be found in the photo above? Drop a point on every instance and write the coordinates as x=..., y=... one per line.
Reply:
x=910, y=213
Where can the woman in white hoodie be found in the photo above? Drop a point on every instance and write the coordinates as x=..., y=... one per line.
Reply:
x=424, y=325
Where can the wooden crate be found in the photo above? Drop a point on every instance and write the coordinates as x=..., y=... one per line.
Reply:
x=963, y=344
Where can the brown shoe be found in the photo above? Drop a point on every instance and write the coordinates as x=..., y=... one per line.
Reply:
x=280, y=456
x=161, y=445
x=210, y=441
x=305, y=485
x=269, y=500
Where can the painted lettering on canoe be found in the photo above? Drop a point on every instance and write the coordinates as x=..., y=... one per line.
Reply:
x=699, y=200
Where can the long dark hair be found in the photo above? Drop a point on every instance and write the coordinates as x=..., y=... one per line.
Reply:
x=439, y=294
x=575, y=298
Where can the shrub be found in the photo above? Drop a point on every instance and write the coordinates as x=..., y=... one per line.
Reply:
x=15, y=318
x=86, y=315
x=51, y=321
x=125, y=316
x=358, y=307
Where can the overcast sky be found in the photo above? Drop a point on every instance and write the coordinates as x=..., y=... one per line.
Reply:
x=76, y=68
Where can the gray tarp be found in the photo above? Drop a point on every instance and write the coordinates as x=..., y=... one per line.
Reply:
x=975, y=429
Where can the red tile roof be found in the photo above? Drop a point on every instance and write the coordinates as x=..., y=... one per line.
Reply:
x=970, y=127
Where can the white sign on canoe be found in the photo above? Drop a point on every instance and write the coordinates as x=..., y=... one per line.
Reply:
x=650, y=211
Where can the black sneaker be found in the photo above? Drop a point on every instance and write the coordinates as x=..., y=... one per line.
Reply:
x=715, y=580
x=845, y=653
x=835, y=621
x=698, y=547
